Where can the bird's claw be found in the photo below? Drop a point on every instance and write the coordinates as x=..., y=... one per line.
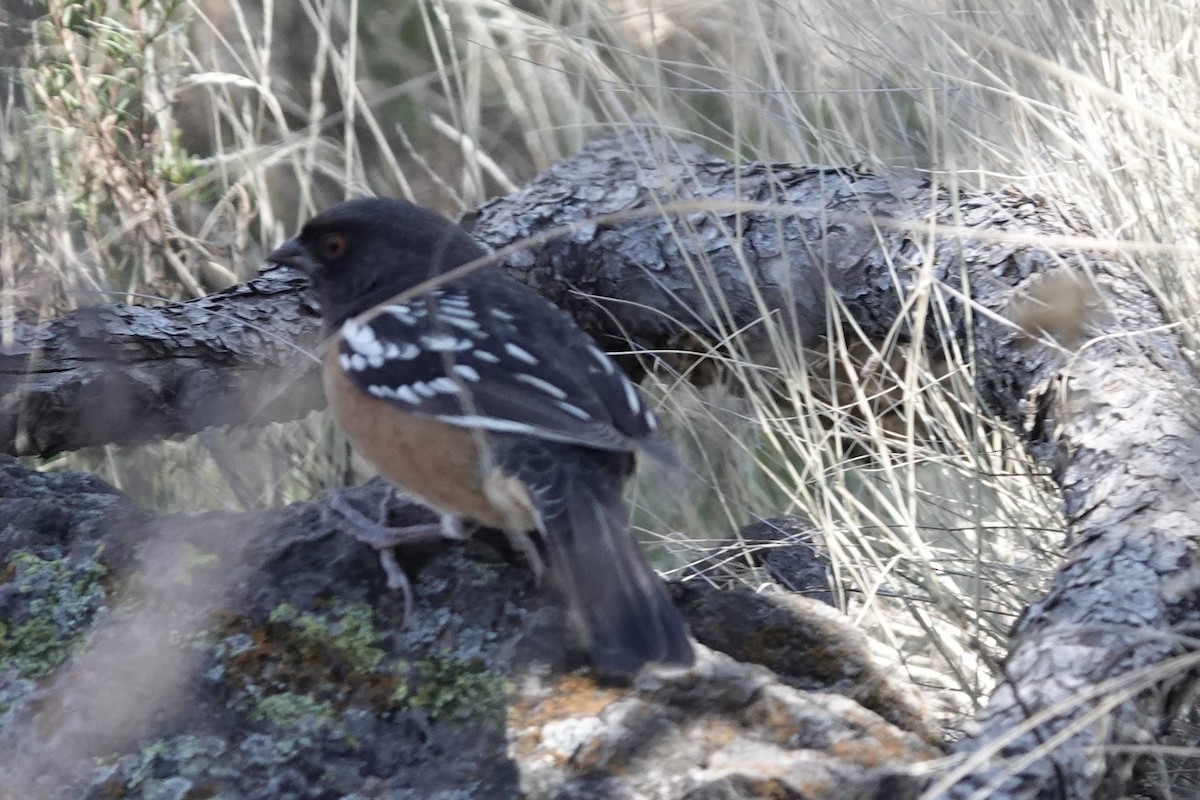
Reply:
x=383, y=538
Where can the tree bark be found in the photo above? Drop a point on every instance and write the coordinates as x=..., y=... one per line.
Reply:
x=127, y=375
x=1110, y=419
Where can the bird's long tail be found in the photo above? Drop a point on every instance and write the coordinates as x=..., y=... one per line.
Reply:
x=617, y=601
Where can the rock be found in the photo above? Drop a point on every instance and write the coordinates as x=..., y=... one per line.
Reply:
x=260, y=655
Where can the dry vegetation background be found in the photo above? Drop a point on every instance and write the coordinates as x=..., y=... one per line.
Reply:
x=152, y=151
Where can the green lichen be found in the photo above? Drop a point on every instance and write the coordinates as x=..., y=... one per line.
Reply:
x=290, y=709
x=348, y=629
x=455, y=691
x=185, y=756
x=303, y=669
x=54, y=601
x=33, y=649
x=299, y=720
x=191, y=766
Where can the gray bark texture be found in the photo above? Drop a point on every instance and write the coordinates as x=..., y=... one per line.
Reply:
x=117, y=374
x=1110, y=419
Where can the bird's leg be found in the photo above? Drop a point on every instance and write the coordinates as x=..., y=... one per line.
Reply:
x=397, y=581
x=383, y=538
x=378, y=534
x=452, y=527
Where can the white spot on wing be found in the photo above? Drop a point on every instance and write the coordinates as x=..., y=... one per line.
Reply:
x=423, y=389
x=344, y=361
x=444, y=385
x=357, y=362
x=651, y=421
x=604, y=360
x=402, y=393
x=404, y=352
x=545, y=386
x=520, y=353
x=501, y=315
x=455, y=303
x=466, y=323
x=466, y=372
x=444, y=343
x=488, y=423
x=361, y=338
x=487, y=355
x=403, y=314
x=631, y=397
x=573, y=410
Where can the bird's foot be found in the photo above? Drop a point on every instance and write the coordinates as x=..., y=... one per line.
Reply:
x=383, y=538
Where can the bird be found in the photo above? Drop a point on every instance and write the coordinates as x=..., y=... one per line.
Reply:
x=472, y=393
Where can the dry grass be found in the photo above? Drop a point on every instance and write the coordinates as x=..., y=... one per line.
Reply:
x=159, y=149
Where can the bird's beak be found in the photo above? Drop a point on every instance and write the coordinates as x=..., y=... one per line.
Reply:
x=295, y=255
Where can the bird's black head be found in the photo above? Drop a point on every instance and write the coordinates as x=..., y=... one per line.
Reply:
x=359, y=253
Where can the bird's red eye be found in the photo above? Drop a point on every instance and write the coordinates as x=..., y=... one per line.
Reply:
x=332, y=245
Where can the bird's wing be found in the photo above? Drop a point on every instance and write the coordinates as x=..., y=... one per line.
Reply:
x=465, y=354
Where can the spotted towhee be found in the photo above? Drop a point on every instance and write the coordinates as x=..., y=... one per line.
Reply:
x=486, y=401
